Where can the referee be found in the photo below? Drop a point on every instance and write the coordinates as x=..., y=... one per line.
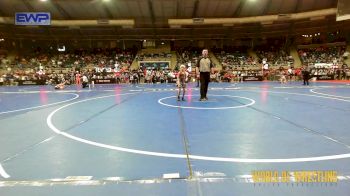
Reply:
x=204, y=68
x=306, y=74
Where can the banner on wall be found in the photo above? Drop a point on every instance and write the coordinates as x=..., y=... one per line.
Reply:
x=155, y=64
x=107, y=69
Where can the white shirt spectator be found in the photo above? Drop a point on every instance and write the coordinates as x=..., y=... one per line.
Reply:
x=171, y=74
x=335, y=61
x=116, y=65
x=85, y=79
x=189, y=69
x=266, y=66
x=41, y=72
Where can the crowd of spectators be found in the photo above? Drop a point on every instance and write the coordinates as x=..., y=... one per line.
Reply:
x=236, y=59
x=188, y=56
x=79, y=58
x=153, y=56
x=274, y=55
x=95, y=63
x=330, y=55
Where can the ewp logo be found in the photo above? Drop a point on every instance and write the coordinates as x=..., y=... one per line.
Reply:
x=33, y=18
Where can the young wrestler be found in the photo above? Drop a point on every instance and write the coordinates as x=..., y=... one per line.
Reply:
x=77, y=78
x=181, y=82
x=61, y=85
x=283, y=78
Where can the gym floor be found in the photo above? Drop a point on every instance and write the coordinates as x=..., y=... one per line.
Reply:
x=129, y=139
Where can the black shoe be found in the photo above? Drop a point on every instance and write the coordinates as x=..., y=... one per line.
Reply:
x=178, y=98
x=183, y=99
x=201, y=99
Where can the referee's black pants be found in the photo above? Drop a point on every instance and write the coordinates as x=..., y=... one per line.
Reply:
x=204, y=78
x=84, y=84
